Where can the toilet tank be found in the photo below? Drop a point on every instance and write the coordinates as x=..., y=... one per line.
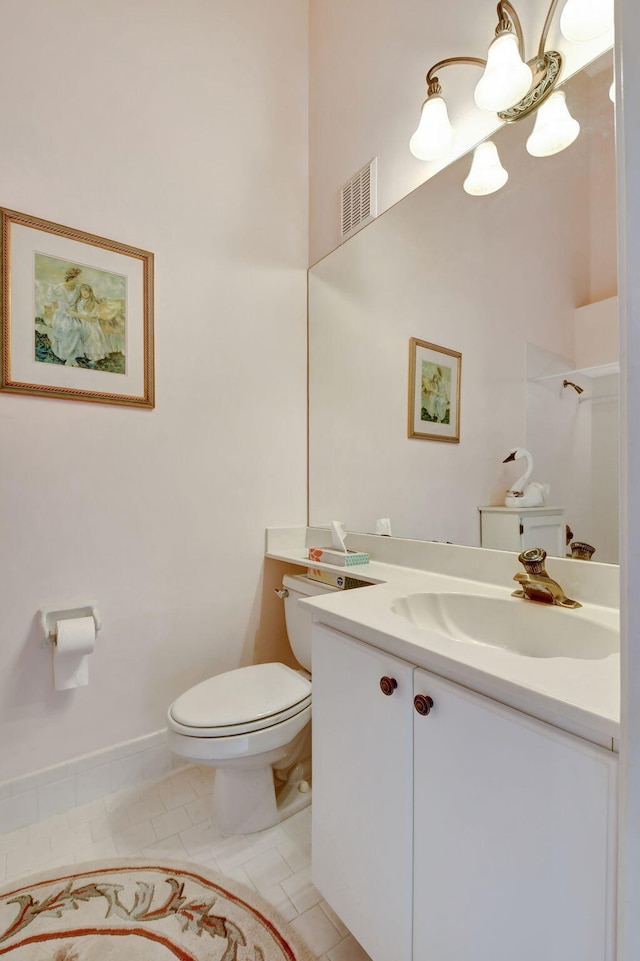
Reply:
x=298, y=619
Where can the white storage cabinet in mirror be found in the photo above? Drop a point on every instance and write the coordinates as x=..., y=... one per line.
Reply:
x=510, y=529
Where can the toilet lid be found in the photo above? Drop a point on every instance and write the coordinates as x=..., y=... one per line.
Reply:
x=243, y=697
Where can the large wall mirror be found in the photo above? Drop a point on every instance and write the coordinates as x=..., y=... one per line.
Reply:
x=522, y=283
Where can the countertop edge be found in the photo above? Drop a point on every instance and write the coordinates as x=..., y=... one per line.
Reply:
x=561, y=714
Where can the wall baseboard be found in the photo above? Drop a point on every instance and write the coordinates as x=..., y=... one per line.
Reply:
x=53, y=790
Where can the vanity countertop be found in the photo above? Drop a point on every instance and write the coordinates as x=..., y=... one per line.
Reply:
x=579, y=695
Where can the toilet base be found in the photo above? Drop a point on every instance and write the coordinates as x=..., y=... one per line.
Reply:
x=253, y=772
x=263, y=790
x=291, y=800
x=244, y=802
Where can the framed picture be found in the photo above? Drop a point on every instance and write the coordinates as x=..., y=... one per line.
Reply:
x=434, y=392
x=76, y=314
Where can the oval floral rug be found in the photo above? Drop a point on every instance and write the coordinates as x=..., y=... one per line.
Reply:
x=122, y=910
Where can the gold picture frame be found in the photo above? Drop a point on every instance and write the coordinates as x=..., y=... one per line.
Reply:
x=76, y=314
x=434, y=392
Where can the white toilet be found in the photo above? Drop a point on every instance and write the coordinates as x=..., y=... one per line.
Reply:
x=252, y=725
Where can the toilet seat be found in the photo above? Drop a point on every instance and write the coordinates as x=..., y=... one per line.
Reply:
x=241, y=701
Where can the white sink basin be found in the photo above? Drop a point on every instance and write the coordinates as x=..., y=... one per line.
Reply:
x=522, y=627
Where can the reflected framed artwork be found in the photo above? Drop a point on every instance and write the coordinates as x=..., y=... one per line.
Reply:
x=76, y=314
x=434, y=392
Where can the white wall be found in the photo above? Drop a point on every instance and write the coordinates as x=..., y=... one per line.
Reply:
x=605, y=429
x=368, y=64
x=182, y=129
x=628, y=154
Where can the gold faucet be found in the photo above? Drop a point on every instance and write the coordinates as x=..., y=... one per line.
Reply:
x=536, y=583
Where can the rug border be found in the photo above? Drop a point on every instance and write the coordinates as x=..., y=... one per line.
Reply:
x=235, y=888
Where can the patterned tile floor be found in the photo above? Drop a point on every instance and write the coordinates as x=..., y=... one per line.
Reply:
x=169, y=818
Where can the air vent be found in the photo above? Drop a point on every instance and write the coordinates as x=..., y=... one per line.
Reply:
x=358, y=200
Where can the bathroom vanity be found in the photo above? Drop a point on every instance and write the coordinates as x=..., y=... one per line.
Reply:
x=447, y=825
x=464, y=793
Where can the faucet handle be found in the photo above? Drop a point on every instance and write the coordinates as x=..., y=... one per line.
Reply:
x=533, y=560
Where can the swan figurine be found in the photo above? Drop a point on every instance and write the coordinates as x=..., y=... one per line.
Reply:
x=523, y=493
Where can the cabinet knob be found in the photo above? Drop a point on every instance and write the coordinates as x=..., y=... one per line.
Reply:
x=388, y=685
x=423, y=704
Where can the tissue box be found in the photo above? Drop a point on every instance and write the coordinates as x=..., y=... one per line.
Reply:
x=334, y=578
x=323, y=555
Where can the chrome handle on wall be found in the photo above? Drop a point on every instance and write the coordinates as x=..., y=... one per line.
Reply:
x=281, y=593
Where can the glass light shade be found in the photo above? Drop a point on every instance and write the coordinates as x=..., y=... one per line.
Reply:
x=554, y=129
x=506, y=78
x=583, y=20
x=612, y=92
x=434, y=134
x=487, y=173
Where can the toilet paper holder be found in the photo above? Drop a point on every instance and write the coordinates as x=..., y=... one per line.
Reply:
x=49, y=617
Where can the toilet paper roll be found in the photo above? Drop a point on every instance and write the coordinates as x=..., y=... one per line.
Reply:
x=76, y=638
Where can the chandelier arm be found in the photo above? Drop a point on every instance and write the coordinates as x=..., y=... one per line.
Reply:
x=507, y=12
x=547, y=26
x=432, y=78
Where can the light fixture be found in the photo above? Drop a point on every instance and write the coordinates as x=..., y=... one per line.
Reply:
x=612, y=92
x=554, y=129
x=487, y=173
x=509, y=86
x=584, y=20
x=507, y=78
x=512, y=86
x=434, y=135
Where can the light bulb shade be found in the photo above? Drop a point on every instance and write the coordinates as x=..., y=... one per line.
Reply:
x=506, y=78
x=434, y=135
x=612, y=92
x=583, y=20
x=487, y=173
x=554, y=129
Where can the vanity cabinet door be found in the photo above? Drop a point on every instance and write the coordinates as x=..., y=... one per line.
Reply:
x=546, y=531
x=514, y=835
x=363, y=790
